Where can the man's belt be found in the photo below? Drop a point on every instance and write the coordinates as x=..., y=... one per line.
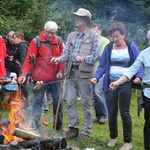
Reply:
x=75, y=67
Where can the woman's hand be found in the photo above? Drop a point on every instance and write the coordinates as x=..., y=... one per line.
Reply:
x=93, y=80
x=137, y=81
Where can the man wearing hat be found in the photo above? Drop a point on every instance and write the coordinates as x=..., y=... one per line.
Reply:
x=80, y=54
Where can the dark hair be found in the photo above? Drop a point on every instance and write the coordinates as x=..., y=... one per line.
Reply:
x=97, y=25
x=19, y=34
x=117, y=27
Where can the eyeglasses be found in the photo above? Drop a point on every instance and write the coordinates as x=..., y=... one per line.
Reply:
x=49, y=32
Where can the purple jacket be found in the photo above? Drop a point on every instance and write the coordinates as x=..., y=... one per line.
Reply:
x=104, y=66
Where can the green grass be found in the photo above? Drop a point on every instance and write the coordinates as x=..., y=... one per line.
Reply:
x=99, y=133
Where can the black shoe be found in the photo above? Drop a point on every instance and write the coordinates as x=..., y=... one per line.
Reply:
x=96, y=120
x=72, y=133
x=82, y=137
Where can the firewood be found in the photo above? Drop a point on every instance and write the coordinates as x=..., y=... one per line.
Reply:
x=26, y=135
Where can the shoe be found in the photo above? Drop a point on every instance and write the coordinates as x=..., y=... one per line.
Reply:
x=46, y=109
x=82, y=137
x=95, y=120
x=63, y=129
x=72, y=133
x=112, y=143
x=126, y=146
x=102, y=120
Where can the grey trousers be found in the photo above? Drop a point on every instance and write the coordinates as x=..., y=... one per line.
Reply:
x=73, y=85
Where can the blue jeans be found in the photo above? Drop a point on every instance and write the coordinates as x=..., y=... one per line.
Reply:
x=38, y=104
x=99, y=101
x=120, y=99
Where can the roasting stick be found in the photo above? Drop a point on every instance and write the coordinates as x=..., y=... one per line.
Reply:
x=58, y=105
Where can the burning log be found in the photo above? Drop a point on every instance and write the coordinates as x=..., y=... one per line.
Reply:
x=26, y=135
x=42, y=144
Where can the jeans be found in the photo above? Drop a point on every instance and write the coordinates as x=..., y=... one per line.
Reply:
x=38, y=103
x=99, y=101
x=122, y=97
x=147, y=123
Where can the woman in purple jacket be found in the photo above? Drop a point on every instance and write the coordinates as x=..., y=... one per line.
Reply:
x=117, y=57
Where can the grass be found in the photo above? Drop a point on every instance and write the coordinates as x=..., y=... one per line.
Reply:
x=99, y=133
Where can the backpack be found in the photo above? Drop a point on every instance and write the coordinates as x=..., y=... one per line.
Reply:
x=39, y=43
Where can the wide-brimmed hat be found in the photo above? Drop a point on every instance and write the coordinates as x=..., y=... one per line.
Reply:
x=82, y=13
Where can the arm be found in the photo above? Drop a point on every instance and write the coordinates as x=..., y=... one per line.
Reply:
x=102, y=65
x=64, y=55
x=27, y=66
x=114, y=85
x=61, y=65
x=91, y=59
x=23, y=49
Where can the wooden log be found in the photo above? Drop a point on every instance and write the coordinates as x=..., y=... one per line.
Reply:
x=26, y=135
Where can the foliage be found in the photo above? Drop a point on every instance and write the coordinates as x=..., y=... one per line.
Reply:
x=30, y=16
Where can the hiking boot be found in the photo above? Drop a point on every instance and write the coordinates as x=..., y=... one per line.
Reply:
x=102, y=120
x=112, y=143
x=126, y=146
x=63, y=129
x=95, y=120
x=72, y=133
x=82, y=137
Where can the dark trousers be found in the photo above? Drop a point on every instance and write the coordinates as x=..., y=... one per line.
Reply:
x=147, y=123
x=38, y=103
x=122, y=97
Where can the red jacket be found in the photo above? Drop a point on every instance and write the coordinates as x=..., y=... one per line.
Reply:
x=42, y=69
x=3, y=55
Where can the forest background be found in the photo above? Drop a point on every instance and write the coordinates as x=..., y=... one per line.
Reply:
x=29, y=16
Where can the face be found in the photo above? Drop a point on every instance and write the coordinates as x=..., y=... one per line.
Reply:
x=49, y=34
x=148, y=38
x=16, y=40
x=79, y=21
x=11, y=40
x=97, y=30
x=117, y=38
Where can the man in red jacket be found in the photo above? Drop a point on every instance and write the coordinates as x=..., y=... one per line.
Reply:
x=41, y=49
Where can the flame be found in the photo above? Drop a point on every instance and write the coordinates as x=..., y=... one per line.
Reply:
x=16, y=116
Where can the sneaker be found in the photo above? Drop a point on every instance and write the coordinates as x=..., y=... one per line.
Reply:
x=46, y=109
x=95, y=120
x=126, y=146
x=102, y=120
x=82, y=137
x=112, y=143
x=72, y=133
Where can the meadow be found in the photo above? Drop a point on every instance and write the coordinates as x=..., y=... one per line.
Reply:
x=99, y=133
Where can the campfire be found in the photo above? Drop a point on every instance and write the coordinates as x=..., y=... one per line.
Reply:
x=15, y=132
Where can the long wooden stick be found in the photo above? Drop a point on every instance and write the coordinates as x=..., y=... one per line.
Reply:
x=58, y=105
